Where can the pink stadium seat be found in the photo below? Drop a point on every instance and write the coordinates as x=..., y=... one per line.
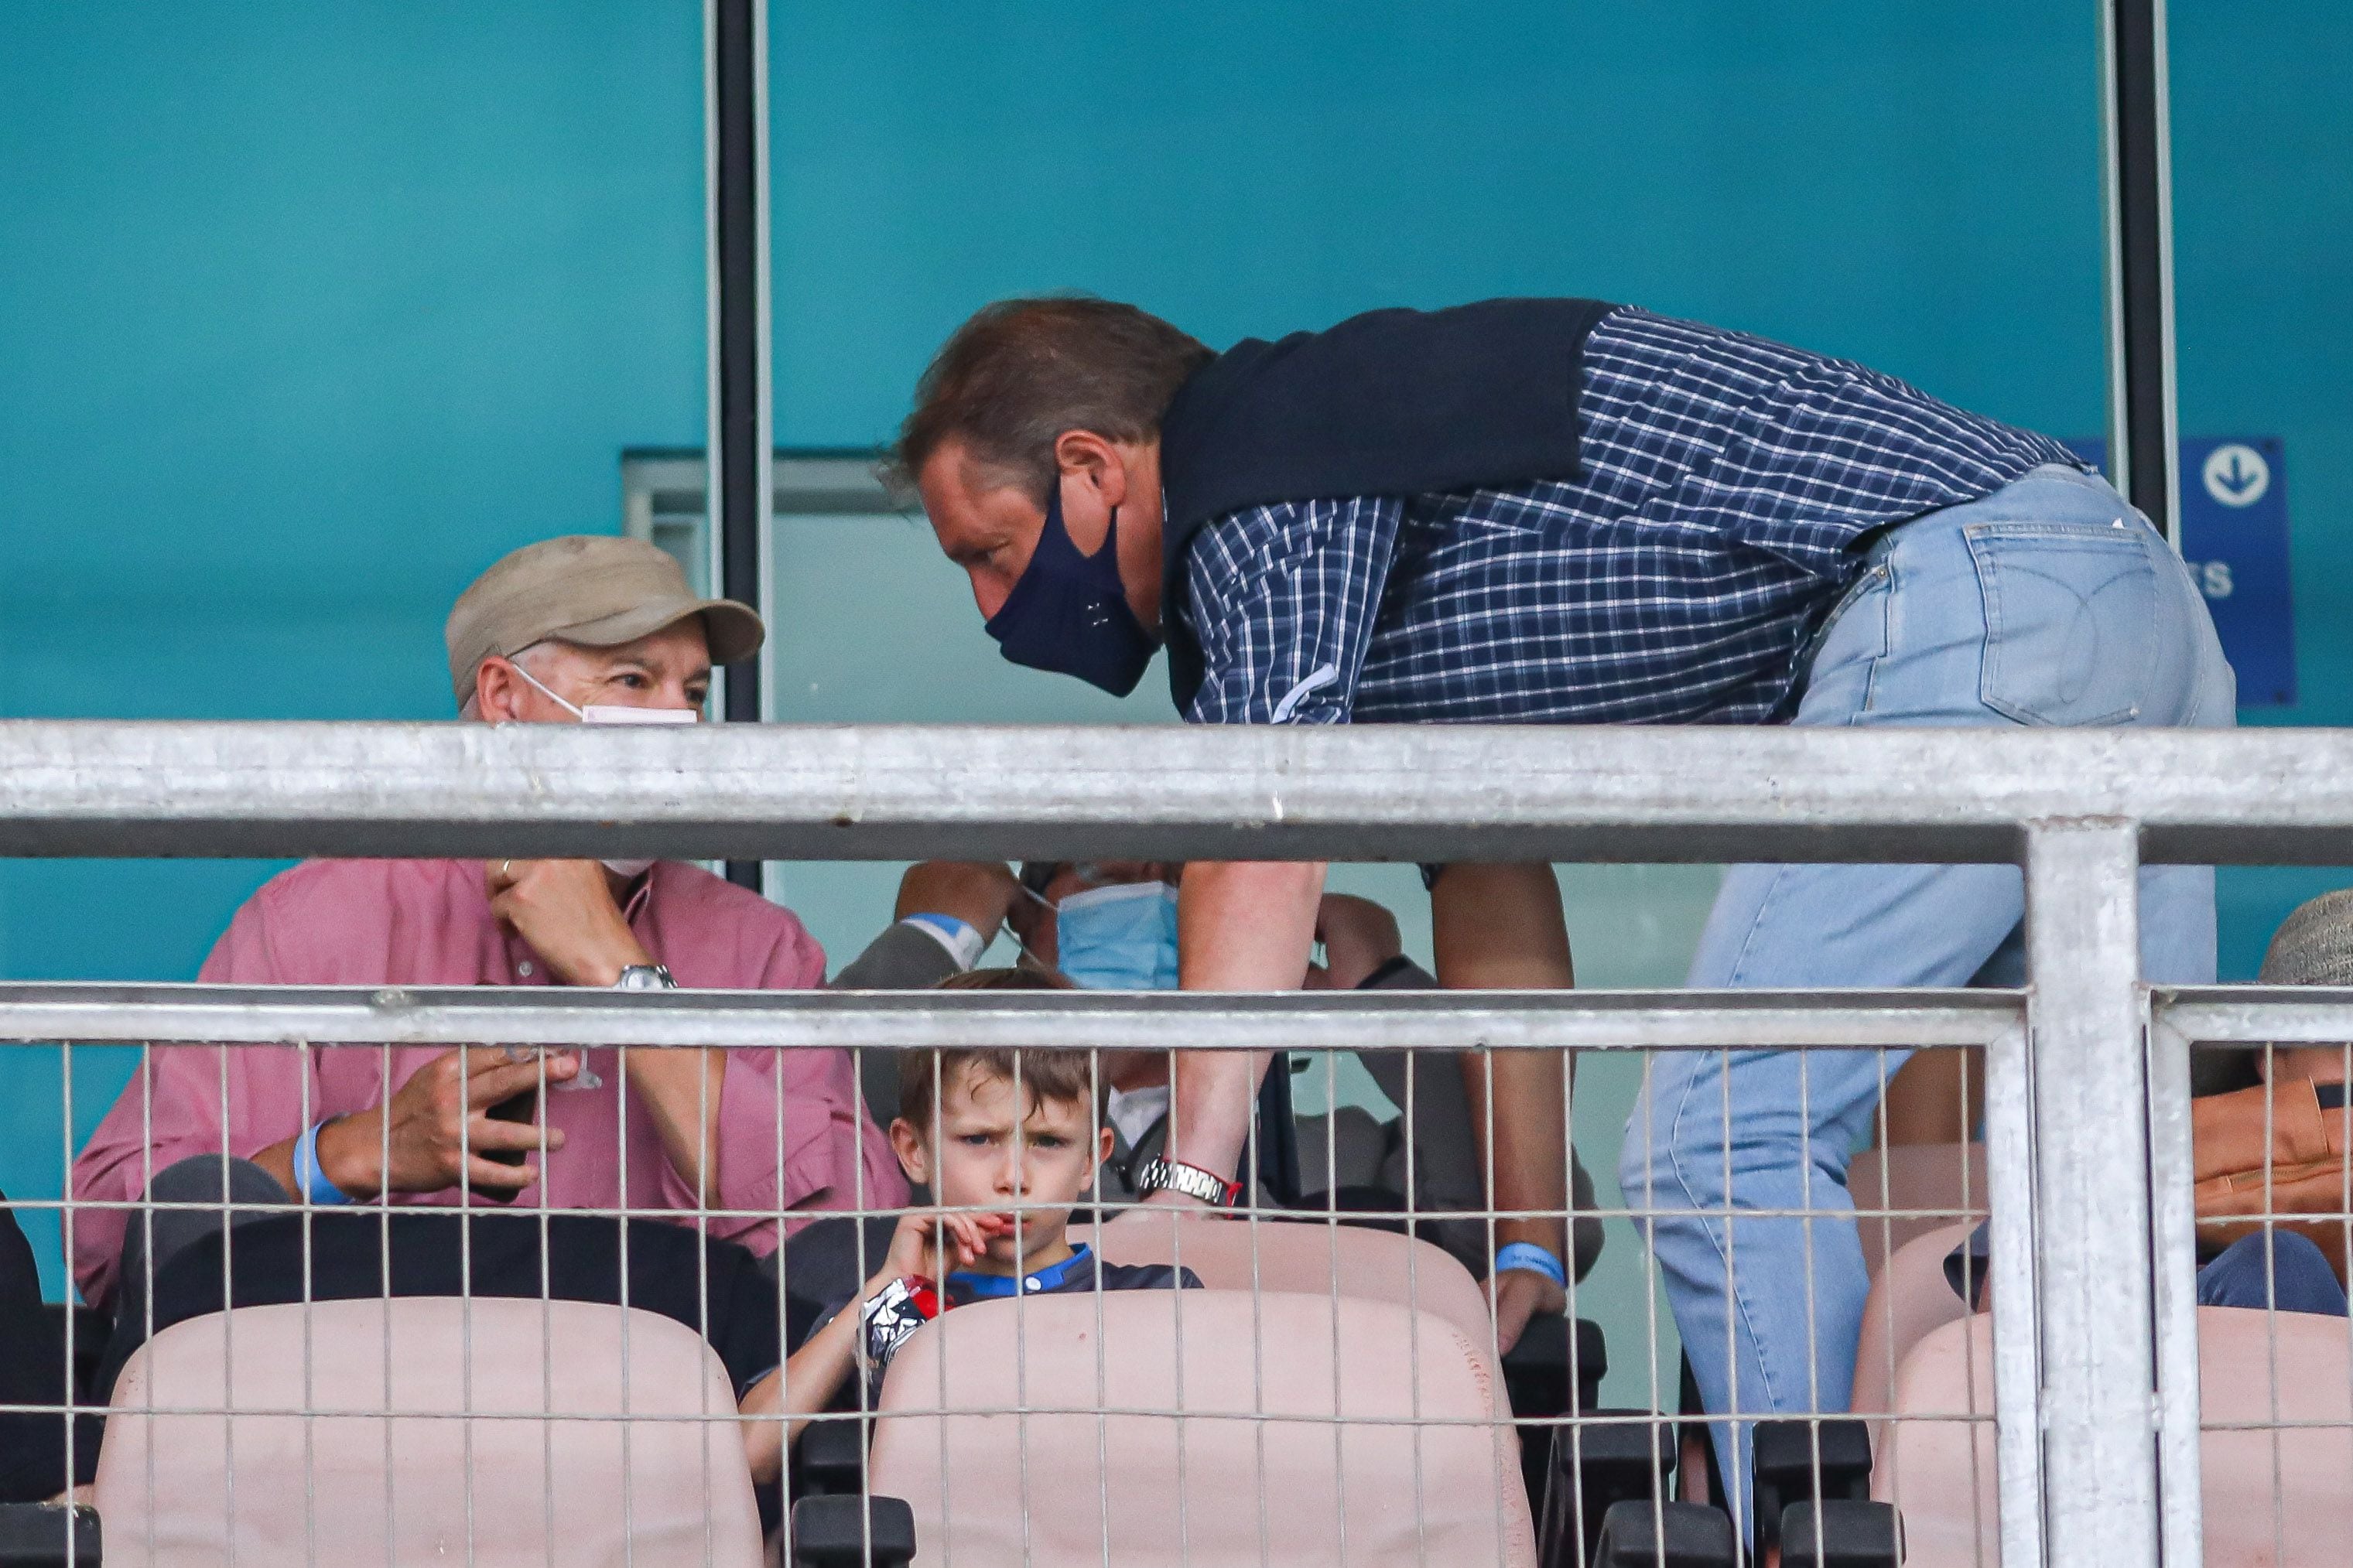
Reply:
x=2280, y=1499
x=1910, y=1298
x=1946, y=1180
x=1254, y=1471
x=504, y=1486
x=1305, y=1258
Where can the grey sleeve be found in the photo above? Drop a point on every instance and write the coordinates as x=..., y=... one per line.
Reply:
x=902, y=959
x=1399, y=974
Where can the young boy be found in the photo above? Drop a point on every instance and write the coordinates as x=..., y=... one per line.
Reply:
x=1005, y=1167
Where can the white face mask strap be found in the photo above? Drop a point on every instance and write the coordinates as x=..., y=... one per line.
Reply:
x=552, y=696
x=1027, y=952
x=1117, y=892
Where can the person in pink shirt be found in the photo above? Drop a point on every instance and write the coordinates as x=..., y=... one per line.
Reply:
x=581, y=628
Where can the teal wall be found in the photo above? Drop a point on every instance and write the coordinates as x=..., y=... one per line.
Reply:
x=1916, y=186
x=307, y=312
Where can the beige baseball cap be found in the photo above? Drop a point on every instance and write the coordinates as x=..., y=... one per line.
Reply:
x=592, y=589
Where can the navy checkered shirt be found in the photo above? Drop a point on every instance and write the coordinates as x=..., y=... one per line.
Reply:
x=1727, y=479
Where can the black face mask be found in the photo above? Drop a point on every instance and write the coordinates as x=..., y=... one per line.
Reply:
x=1069, y=611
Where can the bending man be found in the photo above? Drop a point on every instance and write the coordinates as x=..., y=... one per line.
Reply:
x=1565, y=512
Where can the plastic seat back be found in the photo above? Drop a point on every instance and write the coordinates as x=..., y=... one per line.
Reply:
x=1940, y=1472
x=181, y=1480
x=1911, y=1298
x=1424, y=1470
x=1305, y=1258
x=1926, y=1185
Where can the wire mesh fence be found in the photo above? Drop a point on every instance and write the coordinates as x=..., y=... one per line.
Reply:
x=448, y=1373
x=2003, y=1338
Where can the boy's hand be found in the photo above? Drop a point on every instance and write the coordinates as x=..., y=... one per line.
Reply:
x=916, y=1246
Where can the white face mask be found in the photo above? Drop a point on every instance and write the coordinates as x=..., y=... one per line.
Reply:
x=616, y=714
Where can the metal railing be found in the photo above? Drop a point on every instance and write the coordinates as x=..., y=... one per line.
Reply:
x=2086, y=1114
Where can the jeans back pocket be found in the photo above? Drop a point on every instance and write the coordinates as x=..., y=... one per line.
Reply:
x=2071, y=621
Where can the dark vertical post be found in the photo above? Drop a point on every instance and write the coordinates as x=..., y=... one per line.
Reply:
x=2142, y=435
x=739, y=445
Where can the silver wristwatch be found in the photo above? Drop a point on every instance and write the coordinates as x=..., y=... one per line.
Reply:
x=1175, y=1176
x=645, y=977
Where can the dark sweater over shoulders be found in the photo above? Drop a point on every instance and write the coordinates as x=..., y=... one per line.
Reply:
x=1535, y=512
x=1390, y=403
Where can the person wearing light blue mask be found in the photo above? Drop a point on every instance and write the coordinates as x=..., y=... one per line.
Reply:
x=1110, y=925
x=1119, y=938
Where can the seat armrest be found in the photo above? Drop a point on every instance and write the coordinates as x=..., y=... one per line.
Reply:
x=1841, y=1534
x=853, y=1533
x=1800, y=1460
x=1680, y=1534
x=1594, y=1465
x=48, y=1535
x=830, y=1459
x=1556, y=1366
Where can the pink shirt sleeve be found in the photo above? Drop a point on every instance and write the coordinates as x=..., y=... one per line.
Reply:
x=830, y=1156
x=198, y=1099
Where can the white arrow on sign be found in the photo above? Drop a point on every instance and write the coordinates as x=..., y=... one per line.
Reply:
x=2236, y=474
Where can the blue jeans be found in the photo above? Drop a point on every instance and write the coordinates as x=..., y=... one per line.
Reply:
x=2048, y=602
x=2291, y=1274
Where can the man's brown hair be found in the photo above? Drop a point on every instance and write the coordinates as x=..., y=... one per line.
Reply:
x=1022, y=371
x=1045, y=1073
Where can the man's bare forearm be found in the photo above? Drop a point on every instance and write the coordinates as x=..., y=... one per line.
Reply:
x=1524, y=1147
x=1243, y=925
x=680, y=1089
x=1499, y=928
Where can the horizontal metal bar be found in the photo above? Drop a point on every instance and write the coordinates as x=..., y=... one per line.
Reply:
x=1353, y=1020
x=1362, y=792
x=2284, y=1014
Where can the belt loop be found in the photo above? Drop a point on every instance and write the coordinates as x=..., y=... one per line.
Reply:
x=1801, y=667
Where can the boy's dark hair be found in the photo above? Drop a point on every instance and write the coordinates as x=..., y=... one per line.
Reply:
x=1045, y=1073
x=1021, y=372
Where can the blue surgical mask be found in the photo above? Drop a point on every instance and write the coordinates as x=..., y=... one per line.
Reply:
x=1069, y=611
x=1120, y=938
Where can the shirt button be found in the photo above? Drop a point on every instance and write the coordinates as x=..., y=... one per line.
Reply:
x=1033, y=1284
x=523, y=969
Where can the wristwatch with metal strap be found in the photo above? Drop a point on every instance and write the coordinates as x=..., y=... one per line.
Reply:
x=1174, y=1175
x=645, y=977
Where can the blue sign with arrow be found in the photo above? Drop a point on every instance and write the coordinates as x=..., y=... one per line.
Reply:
x=2234, y=541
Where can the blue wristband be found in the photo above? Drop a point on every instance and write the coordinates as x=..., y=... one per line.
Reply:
x=310, y=1182
x=964, y=944
x=1535, y=1259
